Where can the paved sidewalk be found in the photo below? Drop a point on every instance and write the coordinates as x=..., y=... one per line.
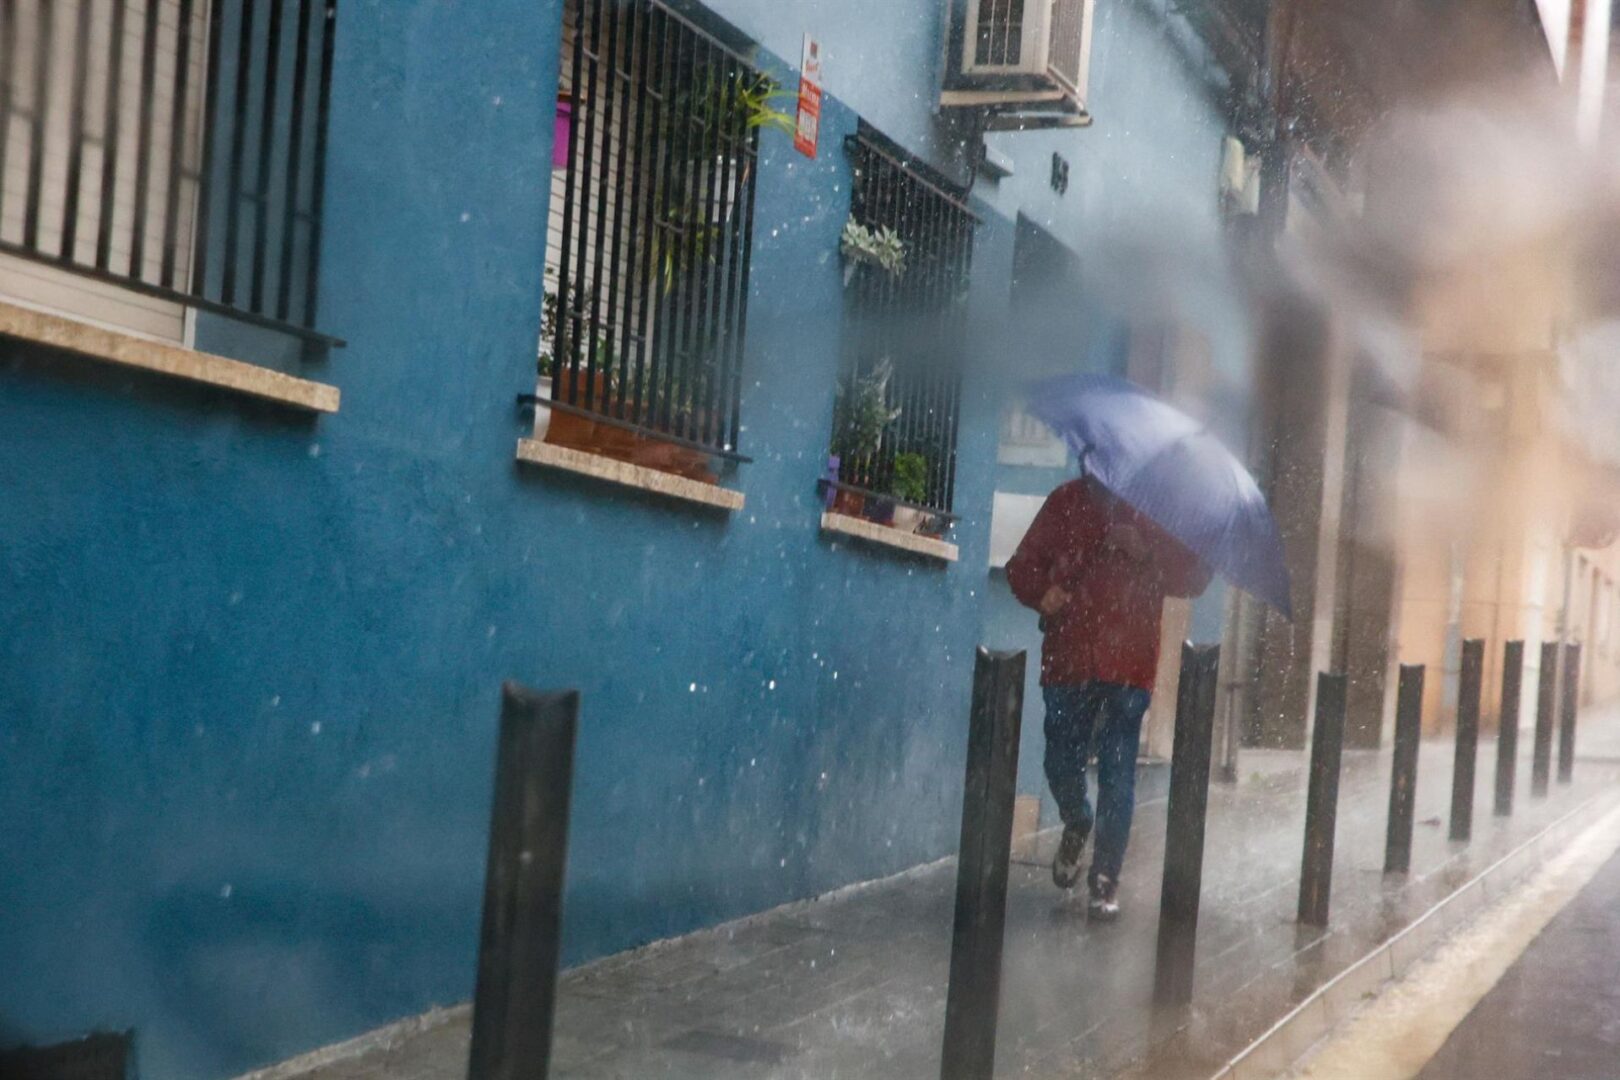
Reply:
x=1557, y=1010
x=854, y=985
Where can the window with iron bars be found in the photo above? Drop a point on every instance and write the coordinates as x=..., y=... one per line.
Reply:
x=904, y=332
x=649, y=240
x=171, y=148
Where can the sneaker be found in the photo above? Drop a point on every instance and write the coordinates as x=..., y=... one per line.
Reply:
x=1066, y=865
x=1104, y=905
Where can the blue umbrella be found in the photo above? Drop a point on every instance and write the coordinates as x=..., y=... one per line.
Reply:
x=1170, y=468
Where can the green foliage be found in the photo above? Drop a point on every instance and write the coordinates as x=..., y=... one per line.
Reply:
x=863, y=413
x=881, y=247
x=910, y=482
x=553, y=338
x=754, y=100
x=685, y=238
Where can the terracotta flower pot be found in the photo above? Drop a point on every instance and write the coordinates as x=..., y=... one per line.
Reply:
x=852, y=503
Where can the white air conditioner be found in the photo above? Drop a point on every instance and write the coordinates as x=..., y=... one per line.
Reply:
x=1027, y=59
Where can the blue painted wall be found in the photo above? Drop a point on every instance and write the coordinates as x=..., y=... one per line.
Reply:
x=249, y=663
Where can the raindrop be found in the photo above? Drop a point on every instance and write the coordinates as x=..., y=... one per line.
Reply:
x=315, y=728
x=225, y=891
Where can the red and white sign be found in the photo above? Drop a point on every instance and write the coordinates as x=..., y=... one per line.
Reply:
x=808, y=128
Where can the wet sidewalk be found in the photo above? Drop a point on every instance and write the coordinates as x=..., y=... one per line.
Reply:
x=853, y=985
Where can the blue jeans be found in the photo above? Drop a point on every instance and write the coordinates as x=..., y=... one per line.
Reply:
x=1107, y=718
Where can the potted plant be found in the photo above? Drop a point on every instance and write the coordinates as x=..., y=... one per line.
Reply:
x=861, y=416
x=880, y=247
x=729, y=101
x=910, y=485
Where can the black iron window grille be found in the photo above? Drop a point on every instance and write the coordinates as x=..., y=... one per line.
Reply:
x=175, y=148
x=649, y=245
x=905, y=329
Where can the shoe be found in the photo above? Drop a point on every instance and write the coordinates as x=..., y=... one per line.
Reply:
x=1066, y=864
x=1104, y=905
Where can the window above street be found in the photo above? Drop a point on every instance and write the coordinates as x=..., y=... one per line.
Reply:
x=160, y=158
x=648, y=244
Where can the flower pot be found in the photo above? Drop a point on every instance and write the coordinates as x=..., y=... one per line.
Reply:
x=852, y=503
x=673, y=458
x=565, y=428
x=880, y=511
x=830, y=492
x=561, y=135
x=542, y=409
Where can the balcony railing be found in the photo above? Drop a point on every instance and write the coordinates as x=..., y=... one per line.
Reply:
x=172, y=147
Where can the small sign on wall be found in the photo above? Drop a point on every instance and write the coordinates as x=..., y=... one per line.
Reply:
x=808, y=129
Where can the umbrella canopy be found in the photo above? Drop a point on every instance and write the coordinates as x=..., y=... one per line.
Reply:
x=1169, y=467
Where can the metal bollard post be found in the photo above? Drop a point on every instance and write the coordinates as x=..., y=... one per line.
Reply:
x=1403, y=777
x=1507, y=728
x=973, y=998
x=1469, y=685
x=1546, y=706
x=1570, y=686
x=1184, y=826
x=1322, y=800
x=518, y=952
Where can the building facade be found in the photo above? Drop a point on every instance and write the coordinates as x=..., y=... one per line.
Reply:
x=287, y=499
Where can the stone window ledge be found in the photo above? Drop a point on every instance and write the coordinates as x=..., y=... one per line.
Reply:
x=143, y=354
x=861, y=529
x=566, y=459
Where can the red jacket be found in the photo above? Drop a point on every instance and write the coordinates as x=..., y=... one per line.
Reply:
x=1110, y=630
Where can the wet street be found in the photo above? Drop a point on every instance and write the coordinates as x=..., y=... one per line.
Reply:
x=853, y=985
x=1557, y=1010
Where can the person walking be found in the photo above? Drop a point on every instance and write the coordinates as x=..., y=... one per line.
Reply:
x=1097, y=571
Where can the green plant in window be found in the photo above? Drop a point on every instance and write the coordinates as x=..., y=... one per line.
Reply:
x=863, y=414
x=706, y=122
x=910, y=483
x=881, y=247
x=755, y=100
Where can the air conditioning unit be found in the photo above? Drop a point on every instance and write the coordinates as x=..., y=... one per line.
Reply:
x=1024, y=61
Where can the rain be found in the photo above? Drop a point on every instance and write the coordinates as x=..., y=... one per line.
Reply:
x=804, y=539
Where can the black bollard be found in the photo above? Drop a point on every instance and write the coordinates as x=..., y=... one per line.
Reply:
x=1546, y=706
x=1403, y=776
x=974, y=996
x=1322, y=800
x=1184, y=825
x=1570, y=691
x=1469, y=685
x=1507, y=728
x=518, y=952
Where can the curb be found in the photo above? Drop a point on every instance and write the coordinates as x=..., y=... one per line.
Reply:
x=1331, y=1003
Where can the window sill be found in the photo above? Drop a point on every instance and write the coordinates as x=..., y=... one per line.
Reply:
x=143, y=354
x=614, y=471
x=862, y=529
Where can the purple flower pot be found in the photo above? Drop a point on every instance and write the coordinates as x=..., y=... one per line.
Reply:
x=829, y=493
x=564, y=129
